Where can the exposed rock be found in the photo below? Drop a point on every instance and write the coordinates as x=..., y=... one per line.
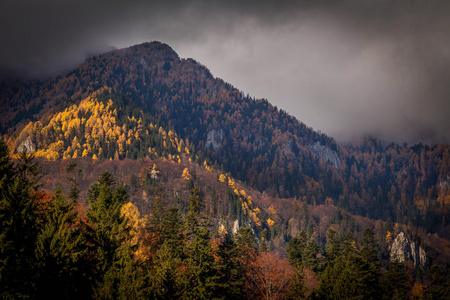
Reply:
x=214, y=138
x=326, y=154
x=143, y=63
x=27, y=146
x=293, y=227
x=403, y=249
x=235, y=227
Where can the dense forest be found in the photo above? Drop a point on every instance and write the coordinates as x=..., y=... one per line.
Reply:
x=52, y=246
x=150, y=88
x=241, y=183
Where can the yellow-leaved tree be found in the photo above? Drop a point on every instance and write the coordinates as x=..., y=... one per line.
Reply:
x=131, y=212
x=186, y=174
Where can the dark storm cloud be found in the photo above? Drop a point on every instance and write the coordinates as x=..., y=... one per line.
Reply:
x=347, y=68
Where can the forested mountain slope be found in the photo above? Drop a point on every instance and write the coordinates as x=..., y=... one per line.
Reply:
x=145, y=100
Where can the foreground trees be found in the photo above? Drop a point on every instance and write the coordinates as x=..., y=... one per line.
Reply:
x=53, y=247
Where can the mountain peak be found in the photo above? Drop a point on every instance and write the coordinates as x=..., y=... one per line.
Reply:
x=149, y=50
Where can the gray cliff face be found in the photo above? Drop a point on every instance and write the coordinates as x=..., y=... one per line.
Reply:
x=27, y=146
x=326, y=154
x=214, y=138
x=403, y=249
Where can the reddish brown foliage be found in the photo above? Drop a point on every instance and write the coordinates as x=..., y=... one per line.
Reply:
x=268, y=276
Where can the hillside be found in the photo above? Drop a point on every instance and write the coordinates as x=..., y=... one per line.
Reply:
x=167, y=129
x=149, y=85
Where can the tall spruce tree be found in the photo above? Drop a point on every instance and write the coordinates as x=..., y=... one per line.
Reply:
x=229, y=268
x=369, y=273
x=19, y=225
x=201, y=277
x=295, y=249
x=61, y=253
x=116, y=274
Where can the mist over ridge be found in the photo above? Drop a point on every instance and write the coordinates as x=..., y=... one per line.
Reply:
x=346, y=68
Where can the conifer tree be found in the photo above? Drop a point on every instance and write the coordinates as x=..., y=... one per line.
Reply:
x=395, y=282
x=295, y=249
x=332, y=246
x=245, y=239
x=309, y=255
x=229, y=268
x=61, y=253
x=18, y=223
x=200, y=281
x=116, y=273
x=369, y=273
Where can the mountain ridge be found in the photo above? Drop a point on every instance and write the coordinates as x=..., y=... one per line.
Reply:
x=251, y=139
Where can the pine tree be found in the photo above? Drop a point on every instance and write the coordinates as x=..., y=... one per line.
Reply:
x=166, y=278
x=439, y=287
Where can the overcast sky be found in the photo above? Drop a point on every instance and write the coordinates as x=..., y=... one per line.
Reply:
x=346, y=68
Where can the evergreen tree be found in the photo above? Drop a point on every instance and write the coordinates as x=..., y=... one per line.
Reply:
x=332, y=246
x=297, y=288
x=338, y=281
x=201, y=278
x=19, y=225
x=368, y=277
x=166, y=277
x=172, y=233
x=295, y=249
x=395, y=282
x=439, y=287
x=229, y=266
x=116, y=273
x=309, y=255
x=61, y=252
x=326, y=284
x=245, y=239
x=262, y=241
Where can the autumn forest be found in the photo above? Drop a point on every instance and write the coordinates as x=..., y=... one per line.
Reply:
x=140, y=175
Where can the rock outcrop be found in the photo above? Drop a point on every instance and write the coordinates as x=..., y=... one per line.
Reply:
x=214, y=138
x=326, y=154
x=403, y=249
x=27, y=145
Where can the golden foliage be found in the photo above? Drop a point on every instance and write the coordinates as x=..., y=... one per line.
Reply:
x=186, y=174
x=222, y=178
x=388, y=238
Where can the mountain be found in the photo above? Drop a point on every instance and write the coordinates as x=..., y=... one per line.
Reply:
x=175, y=178
x=145, y=101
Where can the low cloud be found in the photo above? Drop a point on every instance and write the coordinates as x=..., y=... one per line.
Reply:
x=347, y=68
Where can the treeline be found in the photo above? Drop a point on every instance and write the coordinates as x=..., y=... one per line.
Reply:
x=51, y=246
